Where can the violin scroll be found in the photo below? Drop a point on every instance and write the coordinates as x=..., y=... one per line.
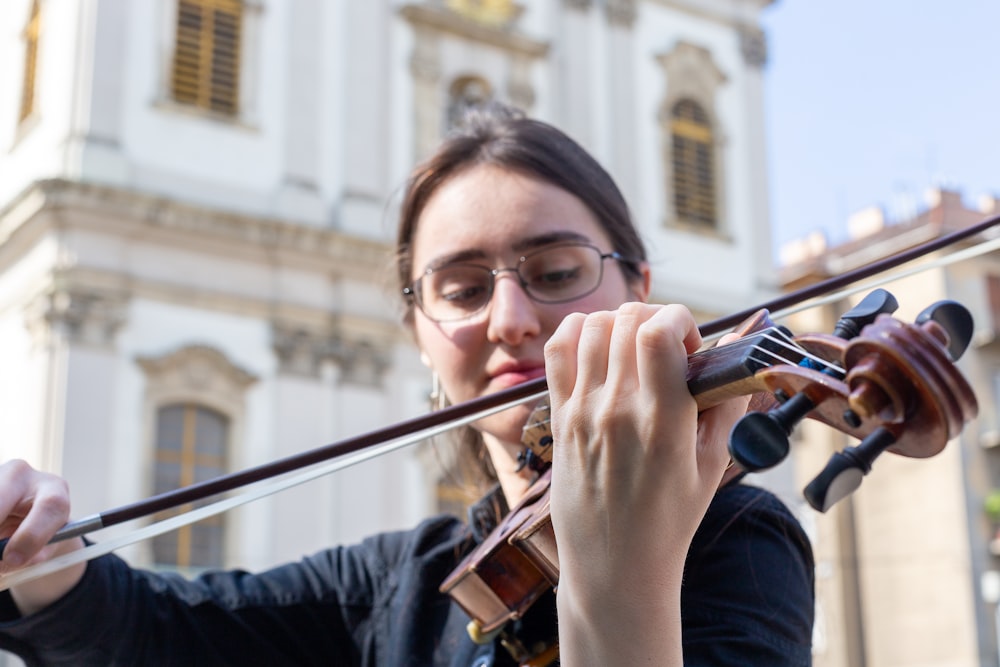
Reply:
x=760, y=440
x=899, y=391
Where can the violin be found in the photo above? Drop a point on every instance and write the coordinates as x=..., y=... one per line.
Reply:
x=893, y=386
x=405, y=432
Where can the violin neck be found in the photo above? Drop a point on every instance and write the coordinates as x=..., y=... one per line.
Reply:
x=726, y=371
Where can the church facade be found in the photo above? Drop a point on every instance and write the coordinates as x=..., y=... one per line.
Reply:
x=197, y=212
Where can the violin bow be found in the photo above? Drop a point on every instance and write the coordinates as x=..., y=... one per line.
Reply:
x=409, y=432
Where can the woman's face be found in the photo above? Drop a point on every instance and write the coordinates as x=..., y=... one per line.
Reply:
x=491, y=217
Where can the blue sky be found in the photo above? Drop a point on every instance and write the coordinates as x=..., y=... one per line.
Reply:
x=872, y=102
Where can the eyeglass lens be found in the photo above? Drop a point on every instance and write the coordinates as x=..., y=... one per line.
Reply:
x=553, y=275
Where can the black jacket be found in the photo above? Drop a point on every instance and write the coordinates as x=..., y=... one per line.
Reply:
x=747, y=600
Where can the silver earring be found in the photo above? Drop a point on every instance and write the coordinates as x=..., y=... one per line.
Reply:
x=437, y=397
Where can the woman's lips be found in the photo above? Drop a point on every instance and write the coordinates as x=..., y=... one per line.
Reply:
x=510, y=377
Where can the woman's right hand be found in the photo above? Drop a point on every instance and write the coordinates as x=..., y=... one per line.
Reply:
x=33, y=506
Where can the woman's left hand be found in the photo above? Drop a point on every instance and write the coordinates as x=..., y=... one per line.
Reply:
x=634, y=469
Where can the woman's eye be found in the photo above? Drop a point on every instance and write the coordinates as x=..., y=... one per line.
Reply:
x=459, y=294
x=555, y=278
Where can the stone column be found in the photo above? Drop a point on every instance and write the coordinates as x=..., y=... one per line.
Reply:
x=366, y=129
x=75, y=330
x=299, y=192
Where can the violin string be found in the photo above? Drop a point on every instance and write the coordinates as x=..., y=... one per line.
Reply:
x=260, y=490
x=798, y=349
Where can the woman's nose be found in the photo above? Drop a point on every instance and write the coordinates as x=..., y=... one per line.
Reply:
x=513, y=315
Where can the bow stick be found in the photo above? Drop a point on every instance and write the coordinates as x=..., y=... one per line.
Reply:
x=399, y=435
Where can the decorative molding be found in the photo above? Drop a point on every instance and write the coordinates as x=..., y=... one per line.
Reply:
x=361, y=362
x=430, y=23
x=621, y=12
x=443, y=20
x=753, y=45
x=578, y=4
x=729, y=13
x=301, y=351
x=498, y=13
x=691, y=72
x=82, y=315
x=198, y=372
x=135, y=213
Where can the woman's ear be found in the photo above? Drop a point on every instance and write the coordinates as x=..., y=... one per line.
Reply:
x=639, y=288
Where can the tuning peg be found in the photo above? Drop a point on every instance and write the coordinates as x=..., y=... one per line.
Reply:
x=955, y=319
x=853, y=321
x=759, y=440
x=844, y=471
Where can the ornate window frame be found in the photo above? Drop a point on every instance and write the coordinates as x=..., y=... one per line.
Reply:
x=691, y=75
x=199, y=376
x=466, y=92
x=431, y=24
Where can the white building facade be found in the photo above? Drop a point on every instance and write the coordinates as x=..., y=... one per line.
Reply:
x=197, y=203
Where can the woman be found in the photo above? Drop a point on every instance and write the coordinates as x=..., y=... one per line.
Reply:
x=516, y=257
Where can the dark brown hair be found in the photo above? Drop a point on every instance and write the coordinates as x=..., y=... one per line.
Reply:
x=504, y=137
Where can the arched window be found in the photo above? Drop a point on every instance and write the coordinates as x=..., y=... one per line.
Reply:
x=206, y=63
x=191, y=444
x=31, y=31
x=692, y=152
x=465, y=93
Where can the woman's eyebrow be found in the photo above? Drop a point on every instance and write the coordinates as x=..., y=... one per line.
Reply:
x=550, y=238
x=521, y=245
x=455, y=257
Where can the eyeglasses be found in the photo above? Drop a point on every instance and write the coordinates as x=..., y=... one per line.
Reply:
x=556, y=274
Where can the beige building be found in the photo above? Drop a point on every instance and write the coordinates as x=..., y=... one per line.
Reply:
x=906, y=573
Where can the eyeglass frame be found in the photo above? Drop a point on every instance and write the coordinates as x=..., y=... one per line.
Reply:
x=412, y=292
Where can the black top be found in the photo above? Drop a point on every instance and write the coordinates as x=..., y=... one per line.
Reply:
x=747, y=599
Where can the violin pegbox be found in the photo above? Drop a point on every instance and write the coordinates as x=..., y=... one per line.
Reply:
x=895, y=387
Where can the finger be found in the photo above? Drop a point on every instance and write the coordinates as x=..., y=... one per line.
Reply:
x=14, y=476
x=560, y=357
x=663, y=343
x=593, y=353
x=714, y=426
x=622, y=365
x=731, y=337
x=43, y=500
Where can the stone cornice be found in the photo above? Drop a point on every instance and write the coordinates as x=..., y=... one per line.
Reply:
x=720, y=12
x=137, y=213
x=74, y=297
x=446, y=21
